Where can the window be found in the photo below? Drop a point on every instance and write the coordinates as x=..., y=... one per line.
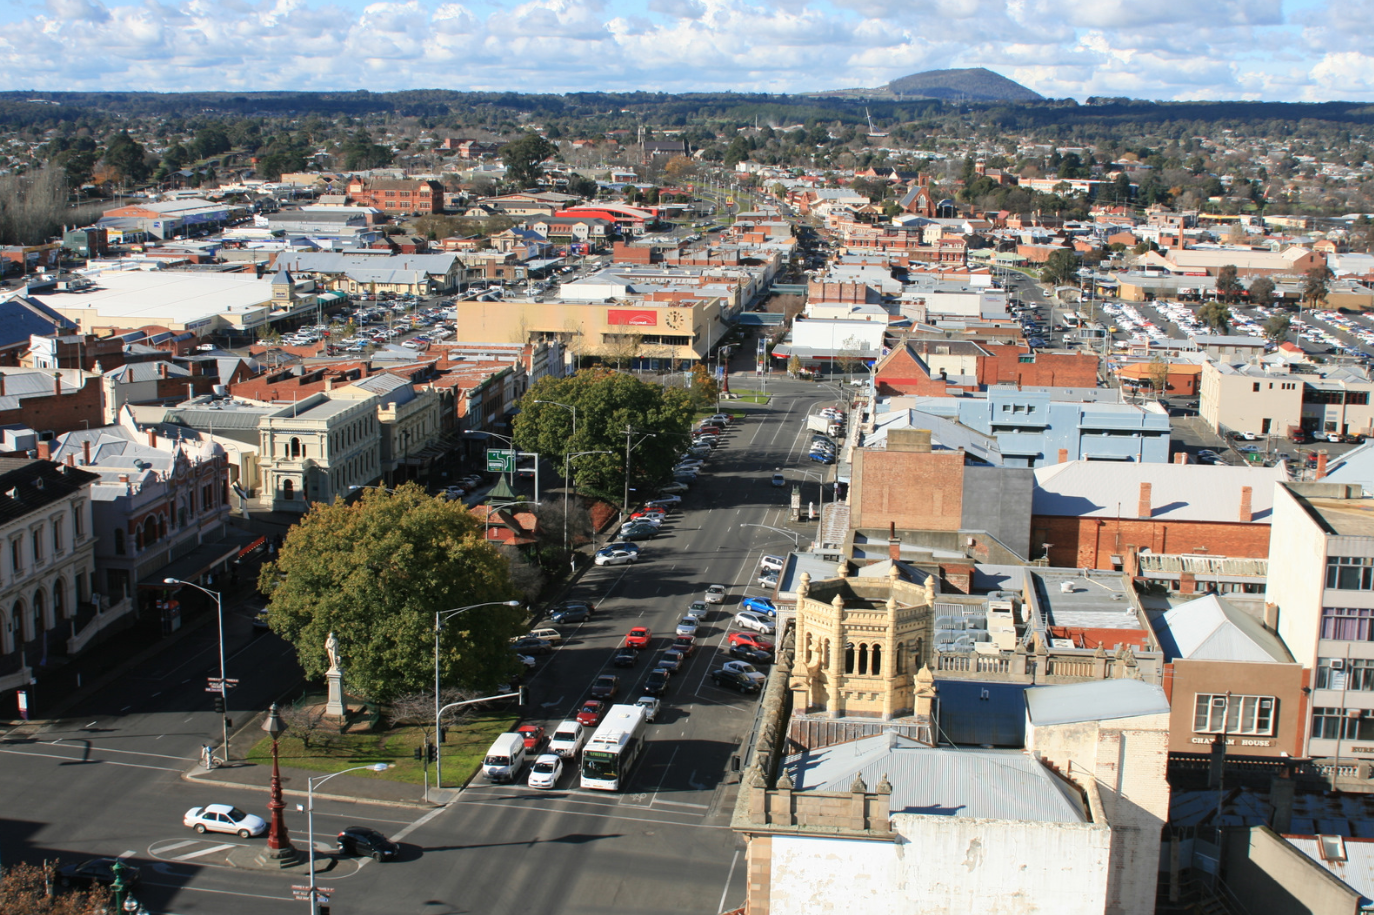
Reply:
x=1256, y=388
x=1346, y=673
x=1213, y=714
x=288, y=490
x=1348, y=624
x=37, y=539
x=57, y=535
x=77, y=523
x=17, y=554
x=1339, y=723
x=119, y=542
x=1350, y=573
x=1357, y=398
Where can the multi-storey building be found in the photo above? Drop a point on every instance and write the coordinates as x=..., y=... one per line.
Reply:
x=318, y=448
x=398, y=195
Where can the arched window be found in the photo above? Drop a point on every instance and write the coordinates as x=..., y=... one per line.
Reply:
x=876, y=662
x=849, y=657
x=288, y=490
x=863, y=659
x=40, y=615
x=916, y=655
x=826, y=655
x=295, y=448
x=6, y=637
x=119, y=542
x=21, y=622
x=17, y=554
x=810, y=648
x=59, y=599
x=901, y=657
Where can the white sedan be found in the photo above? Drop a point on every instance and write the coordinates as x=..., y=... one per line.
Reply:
x=546, y=771
x=609, y=557
x=750, y=620
x=224, y=818
x=715, y=594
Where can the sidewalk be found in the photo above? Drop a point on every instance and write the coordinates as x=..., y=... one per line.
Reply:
x=347, y=787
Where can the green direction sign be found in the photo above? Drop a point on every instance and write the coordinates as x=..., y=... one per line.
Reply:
x=500, y=460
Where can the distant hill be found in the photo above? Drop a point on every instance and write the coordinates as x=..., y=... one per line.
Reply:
x=977, y=84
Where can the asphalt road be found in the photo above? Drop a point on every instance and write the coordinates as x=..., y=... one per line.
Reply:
x=107, y=779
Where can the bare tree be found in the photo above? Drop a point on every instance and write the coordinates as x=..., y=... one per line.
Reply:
x=527, y=577
x=32, y=206
x=307, y=723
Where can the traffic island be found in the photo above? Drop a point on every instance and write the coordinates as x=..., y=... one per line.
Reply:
x=255, y=858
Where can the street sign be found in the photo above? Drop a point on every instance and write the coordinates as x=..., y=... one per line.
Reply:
x=214, y=684
x=500, y=460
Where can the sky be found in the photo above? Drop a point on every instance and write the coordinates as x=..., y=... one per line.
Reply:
x=1275, y=50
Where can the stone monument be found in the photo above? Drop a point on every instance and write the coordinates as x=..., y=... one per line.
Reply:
x=335, y=707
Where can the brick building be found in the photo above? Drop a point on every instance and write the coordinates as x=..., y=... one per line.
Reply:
x=398, y=195
x=1099, y=514
x=1020, y=365
x=44, y=400
x=925, y=368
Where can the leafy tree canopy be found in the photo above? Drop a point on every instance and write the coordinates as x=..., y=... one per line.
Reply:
x=374, y=572
x=524, y=157
x=607, y=402
x=1061, y=268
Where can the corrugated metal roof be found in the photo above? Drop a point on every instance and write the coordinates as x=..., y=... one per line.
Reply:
x=1179, y=492
x=1212, y=629
x=942, y=781
x=1356, y=871
x=1095, y=700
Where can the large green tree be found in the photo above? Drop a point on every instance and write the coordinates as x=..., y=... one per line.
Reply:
x=1315, y=286
x=1216, y=316
x=127, y=155
x=1061, y=267
x=1261, y=292
x=1228, y=284
x=524, y=158
x=607, y=403
x=374, y=572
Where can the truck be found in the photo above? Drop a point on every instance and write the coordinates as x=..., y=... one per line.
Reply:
x=824, y=425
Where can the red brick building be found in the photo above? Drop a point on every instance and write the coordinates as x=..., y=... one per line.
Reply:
x=398, y=195
x=910, y=368
x=1098, y=514
x=1019, y=364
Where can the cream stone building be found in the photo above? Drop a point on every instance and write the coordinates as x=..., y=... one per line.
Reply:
x=319, y=448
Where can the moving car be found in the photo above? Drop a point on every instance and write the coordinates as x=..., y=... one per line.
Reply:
x=533, y=735
x=754, y=621
x=224, y=818
x=744, y=667
x=759, y=605
x=589, y=716
x=685, y=644
x=715, y=594
x=656, y=684
x=568, y=738
x=95, y=872
x=734, y=680
x=779, y=480
x=363, y=841
x=698, y=611
x=606, y=686
x=687, y=626
x=650, y=705
x=546, y=771
x=772, y=563
x=625, y=657
x=638, y=637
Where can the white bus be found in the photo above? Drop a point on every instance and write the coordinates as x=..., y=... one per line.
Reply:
x=613, y=749
x=1071, y=319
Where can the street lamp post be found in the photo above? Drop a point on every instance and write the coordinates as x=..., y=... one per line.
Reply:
x=439, y=617
x=796, y=538
x=567, y=485
x=820, y=519
x=279, y=847
x=310, y=784
x=223, y=685
x=629, y=433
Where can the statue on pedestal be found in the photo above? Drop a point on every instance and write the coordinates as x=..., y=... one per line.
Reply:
x=335, y=705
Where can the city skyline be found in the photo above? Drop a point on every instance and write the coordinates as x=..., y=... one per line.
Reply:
x=1276, y=50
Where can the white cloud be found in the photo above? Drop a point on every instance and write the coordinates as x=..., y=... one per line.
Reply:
x=1160, y=49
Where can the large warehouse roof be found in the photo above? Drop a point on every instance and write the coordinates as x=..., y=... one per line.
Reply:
x=135, y=298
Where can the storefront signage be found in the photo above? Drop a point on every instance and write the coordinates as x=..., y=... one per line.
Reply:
x=1239, y=741
x=632, y=318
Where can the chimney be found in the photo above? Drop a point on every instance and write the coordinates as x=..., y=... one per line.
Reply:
x=1143, y=510
x=894, y=546
x=71, y=459
x=328, y=384
x=1321, y=464
x=2, y=384
x=45, y=451
x=86, y=453
x=1063, y=455
x=1271, y=616
x=57, y=383
x=1246, y=512
x=152, y=438
x=1181, y=457
x=162, y=369
x=123, y=478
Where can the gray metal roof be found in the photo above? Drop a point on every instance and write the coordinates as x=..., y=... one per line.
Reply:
x=1094, y=700
x=942, y=781
x=1178, y=492
x=1211, y=629
x=1356, y=871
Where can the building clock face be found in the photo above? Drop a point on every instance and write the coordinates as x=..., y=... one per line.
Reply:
x=676, y=319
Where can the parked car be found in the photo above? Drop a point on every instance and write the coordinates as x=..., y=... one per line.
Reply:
x=656, y=684
x=95, y=872
x=615, y=557
x=546, y=771
x=364, y=841
x=650, y=705
x=571, y=615
x=533, y=735
x=820, y=457
x=568, y=738
x=685, y=644
x=636, y=531
x=625, y=657
x=772, y=563
x=734, y=680
x=606, y=686
x=751, y=654
x=749, y=670
x=675, y=488
x=224, y=818
x=589, y=715
x=638, y=637
x=715, y=594
x=532, y=645
x=759, y=605
x=754, y=621
x=768, y=581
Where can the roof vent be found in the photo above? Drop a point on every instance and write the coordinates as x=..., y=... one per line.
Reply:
x=12, y=493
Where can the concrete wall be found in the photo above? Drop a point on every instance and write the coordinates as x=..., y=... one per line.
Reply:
x=1126, y=759
x=1295, y=585
x=998, y=500
x=944, y=866
x=1269, y=875
x=915, y=490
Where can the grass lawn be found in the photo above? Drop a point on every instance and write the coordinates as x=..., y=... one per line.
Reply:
x=467, y=743
x=745, y=396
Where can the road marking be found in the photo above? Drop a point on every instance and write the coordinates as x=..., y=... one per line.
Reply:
x=728, y=878
x=175, y=845
x=78, y=759
x=202, y=889
x=417, y=824
x=94, y=746
x=205, y=851
x=604, y=816
x=658, y=800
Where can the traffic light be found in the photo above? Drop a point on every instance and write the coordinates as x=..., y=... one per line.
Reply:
x=323, y=908
x=219, y=703
x=433, y=752
x=419, y=752
x=443, y=732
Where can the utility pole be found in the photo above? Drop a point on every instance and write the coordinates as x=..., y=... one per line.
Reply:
x=629, y=434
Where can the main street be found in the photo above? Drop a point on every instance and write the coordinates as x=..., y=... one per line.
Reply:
x=106, y=780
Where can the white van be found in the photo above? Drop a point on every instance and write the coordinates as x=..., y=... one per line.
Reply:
x=505, y=759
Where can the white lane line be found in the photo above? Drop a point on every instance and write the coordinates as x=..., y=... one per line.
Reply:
x=95, y=746
x=204, y=851
x=604, y=816
x=175, y=845
x=78, y=759
x=728, y=877
x=202, y=889
x=658, y=800
x=417, y=824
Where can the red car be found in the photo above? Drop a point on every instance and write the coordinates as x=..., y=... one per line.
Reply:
x=685, y=644
x=751, y=639
x=638, y=637
x=589, y=716
x=649, y=513
x=534, y=736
